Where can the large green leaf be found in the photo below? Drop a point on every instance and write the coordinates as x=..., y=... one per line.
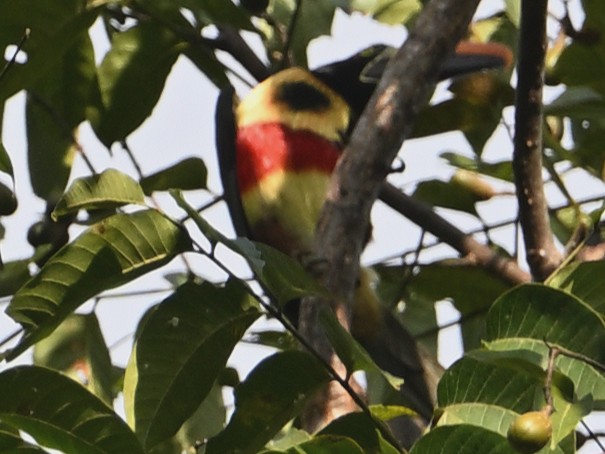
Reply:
x=357, y=426
x=182, y=348
x=55, y=106
x=131, y=79
x=109, y=189
x=77, y=348
x=584, y=280
x=462, y=439
x=273, y=393
x=323, y=444
x=61, y=414
x=549, y=315
x=473, y=380
x=110, y=253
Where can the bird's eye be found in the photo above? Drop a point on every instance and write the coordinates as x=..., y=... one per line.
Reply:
x=301, y=96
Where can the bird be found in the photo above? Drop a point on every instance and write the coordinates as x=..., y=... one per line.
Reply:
x=277, y=148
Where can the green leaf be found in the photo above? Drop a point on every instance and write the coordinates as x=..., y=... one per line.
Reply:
x=475, y=109
x=77, y=348
x=182, y=348
x=110, y=253
x=6, y=165
x=451, y=279
x=447, y=195
x=61, y=414
x=13, y=275
x=55, y=28
x=55, y=107
x=207, y=421
x=188, y=174
x=10, y=442
x=462, y=439
x=353, y=356
x=473, y=380
x=280, y=274
x=109, y=189
x=583, y=280
x=502, y=170
x=391, y=12
x=323, y=444
x=360, y=428
x=131, y=79
x=272, y=394
x=314, y=19
x=550, y=315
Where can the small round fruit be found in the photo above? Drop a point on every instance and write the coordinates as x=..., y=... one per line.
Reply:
x=530, y=432
x=8, y=201
x=255, y=7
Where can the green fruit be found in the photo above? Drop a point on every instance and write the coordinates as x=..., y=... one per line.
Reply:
x=530, y=432
x=255, y=7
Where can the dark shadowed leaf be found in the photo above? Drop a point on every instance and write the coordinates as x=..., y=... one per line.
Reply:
x=6, y=165
x=272, y=394
x=11, y=442
x=77, y=349
x=13, y=275
x=55, y=107
x=188, y=174
x=109, y=189
x=54, y=28
x=108, y=254
x=131, y=79
x=208, y=420
x=181, y=350
x=61, y=414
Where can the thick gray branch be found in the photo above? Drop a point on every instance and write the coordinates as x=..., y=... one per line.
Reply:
x=542, y=255
x=408, y=82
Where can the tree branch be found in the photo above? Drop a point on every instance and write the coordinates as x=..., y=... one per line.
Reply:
x=387, y=120
x=542, y=255
x=424, y=216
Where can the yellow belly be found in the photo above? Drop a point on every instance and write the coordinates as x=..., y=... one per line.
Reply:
x=283, y=209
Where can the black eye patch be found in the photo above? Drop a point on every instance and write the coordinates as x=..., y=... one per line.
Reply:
x=301, y=96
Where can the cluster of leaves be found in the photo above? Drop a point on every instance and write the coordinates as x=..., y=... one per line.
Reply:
x=172, y=384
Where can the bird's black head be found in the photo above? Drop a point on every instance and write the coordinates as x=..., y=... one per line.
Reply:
x=355, y=78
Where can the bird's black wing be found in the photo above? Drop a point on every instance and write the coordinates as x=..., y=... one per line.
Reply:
x=226, y=131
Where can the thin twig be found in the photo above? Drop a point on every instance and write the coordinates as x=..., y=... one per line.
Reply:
x=285, y=59
x=13, y=58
